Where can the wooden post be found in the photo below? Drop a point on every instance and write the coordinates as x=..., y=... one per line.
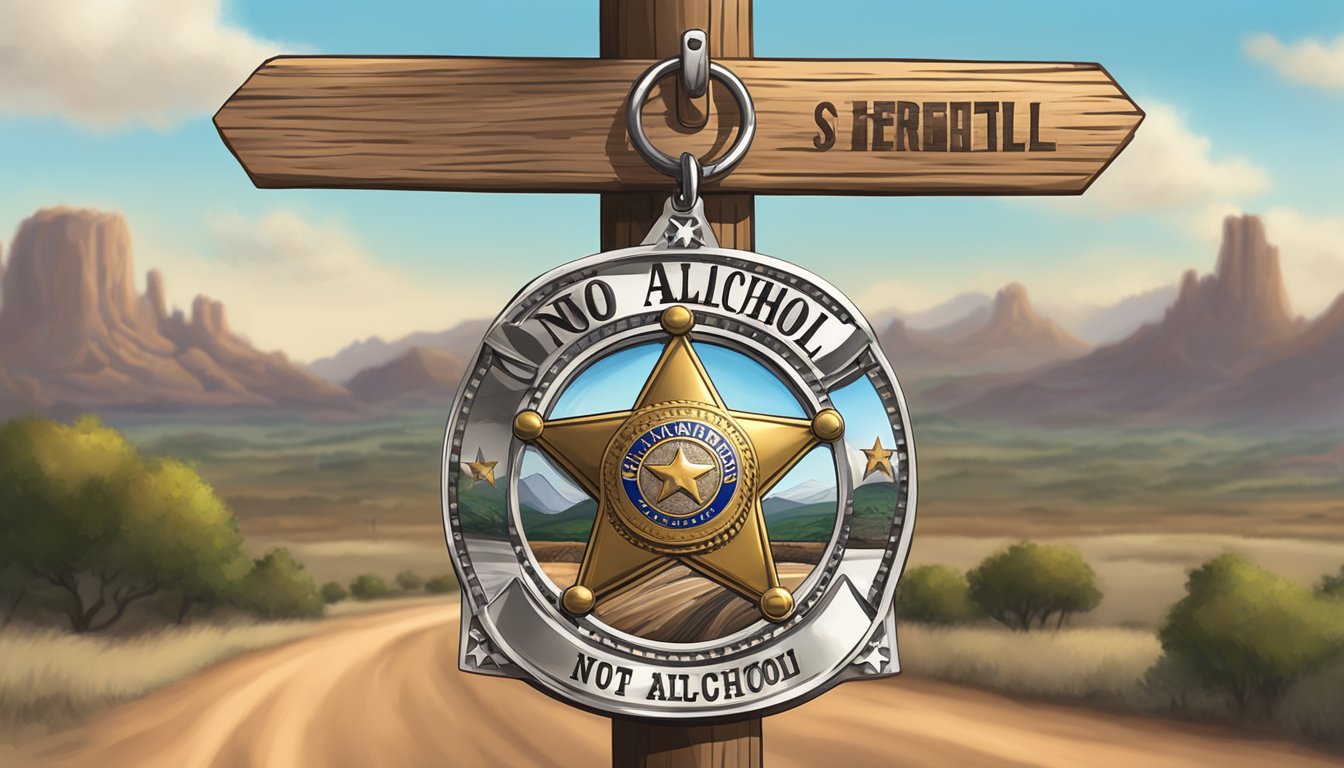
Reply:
x=645, y=29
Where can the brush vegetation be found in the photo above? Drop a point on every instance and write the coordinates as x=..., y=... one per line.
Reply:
x=55, y=678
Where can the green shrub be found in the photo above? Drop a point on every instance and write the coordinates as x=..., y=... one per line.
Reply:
x=934, y=594
x=333, y=593
x=95, y=527
x=1027, y=584
x=278, y=587
x=409, y=581
x=1247, y=634
x=1332, y=585
x=369, y=586
x=440, y=585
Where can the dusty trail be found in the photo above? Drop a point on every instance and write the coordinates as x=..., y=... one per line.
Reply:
x=383, y=690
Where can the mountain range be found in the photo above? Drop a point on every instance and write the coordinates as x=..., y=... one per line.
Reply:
x=1228, y=350
x=1008, y=334
x=1220, y=348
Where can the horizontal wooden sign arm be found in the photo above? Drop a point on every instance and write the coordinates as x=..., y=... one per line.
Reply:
x=865, y=127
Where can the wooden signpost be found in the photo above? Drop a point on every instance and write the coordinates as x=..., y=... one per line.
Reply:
x=847, y=127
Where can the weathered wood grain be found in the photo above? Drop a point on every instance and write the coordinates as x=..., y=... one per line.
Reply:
x=558, y=125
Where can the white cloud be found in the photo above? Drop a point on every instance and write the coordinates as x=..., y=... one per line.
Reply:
x=309, y=288
x=1168, y=167
x=116, y=63
x=1309, y=62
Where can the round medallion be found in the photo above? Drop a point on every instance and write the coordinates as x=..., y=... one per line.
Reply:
x=678, y=478
x=678, y=483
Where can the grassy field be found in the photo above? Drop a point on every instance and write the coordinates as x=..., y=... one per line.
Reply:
x=54, y=678
x=329, y=481
x=50, y=678
x=1104, y=667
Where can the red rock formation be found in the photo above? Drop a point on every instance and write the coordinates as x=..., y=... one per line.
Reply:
x=74, y=335
x=1220, y=327
x=1015, y=329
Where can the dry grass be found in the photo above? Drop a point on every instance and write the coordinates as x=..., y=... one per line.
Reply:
x=53, y=678
x=1106, y=667
x=1102, y=665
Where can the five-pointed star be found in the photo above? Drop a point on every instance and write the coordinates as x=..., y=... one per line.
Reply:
x=685, y=234
x=482, y=469
x=680, y=475
x=744, y=562
x=879, y=460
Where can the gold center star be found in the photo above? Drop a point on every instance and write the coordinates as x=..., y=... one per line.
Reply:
x=624, y=546
x=879, y=460
x=680, y=475
x=482, y=469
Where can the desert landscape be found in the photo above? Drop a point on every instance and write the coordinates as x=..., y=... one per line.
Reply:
x=1151, y=438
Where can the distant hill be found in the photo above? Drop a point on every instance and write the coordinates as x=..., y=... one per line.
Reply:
x=419, y=375
x=1302, y=384
x=537, y=492
x=873, y=505
x=74, y=336
x=461, y=340
x=1105, y=324
x=1006, y=335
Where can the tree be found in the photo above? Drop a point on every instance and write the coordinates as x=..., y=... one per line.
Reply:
x=1248, y=634
x=82, y=513
x=1026, y=584
x=1332, y=585
x=934, y=594
x=368, y=586
x=409, y=581
x=333, y=593
x=440, y=585
x=278, y=587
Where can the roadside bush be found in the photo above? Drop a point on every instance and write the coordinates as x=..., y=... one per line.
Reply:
x=409, y=581
x=1247, y=635
x=440, y=585
x=1027, y=584
x=934, y=594
x=369, y=586
x=333, y=593
x=94, y=526
x=277, y=587
x=1332, y=585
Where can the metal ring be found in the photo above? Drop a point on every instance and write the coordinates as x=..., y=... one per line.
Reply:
x=665, y=163
x=689, y=175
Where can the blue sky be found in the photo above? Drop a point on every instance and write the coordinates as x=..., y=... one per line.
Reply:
x=113, y=113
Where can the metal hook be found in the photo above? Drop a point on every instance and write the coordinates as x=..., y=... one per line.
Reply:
x=689, y=175
x=695, y=62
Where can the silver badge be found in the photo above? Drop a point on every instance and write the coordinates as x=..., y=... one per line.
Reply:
x=679, y=484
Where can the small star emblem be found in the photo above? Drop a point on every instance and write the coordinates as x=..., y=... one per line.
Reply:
x=684, y=233
x=479, y=650
x=875, y=659
x=680, y=475
x=482, y=470
x=879, y=460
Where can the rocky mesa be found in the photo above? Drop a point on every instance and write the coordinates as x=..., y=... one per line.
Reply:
x=75, y=335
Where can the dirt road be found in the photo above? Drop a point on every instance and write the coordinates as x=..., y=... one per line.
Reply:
x=383, y=690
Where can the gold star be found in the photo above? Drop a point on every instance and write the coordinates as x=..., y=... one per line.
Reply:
x=680, y=475
x=879, y=460
x=724, y=541
x=482, y=469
